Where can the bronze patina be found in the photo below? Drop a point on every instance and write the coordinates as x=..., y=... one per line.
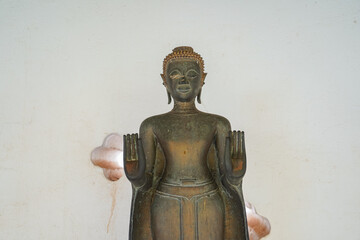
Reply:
x=187, y=166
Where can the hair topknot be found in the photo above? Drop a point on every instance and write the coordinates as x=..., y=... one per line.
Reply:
x=183, y=52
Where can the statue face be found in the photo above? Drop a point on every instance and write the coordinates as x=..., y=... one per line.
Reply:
x=183, y=79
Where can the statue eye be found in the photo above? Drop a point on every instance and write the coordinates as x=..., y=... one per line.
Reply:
x=192, y=74
x=175, y=75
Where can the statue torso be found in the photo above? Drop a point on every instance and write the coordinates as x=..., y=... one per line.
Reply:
x=185, y=140
x=186, y=186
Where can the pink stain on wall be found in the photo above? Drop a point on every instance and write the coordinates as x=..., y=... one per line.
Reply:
x=113, y=203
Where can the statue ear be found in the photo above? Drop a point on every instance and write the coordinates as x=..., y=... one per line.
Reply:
x=164, y=79
x=169, y=96
x=199, y=97
x=164, y=83
x=203, y=78
x=203, y=82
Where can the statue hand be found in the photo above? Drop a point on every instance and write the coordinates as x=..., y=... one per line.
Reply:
x=235, y=156
x=134, y=159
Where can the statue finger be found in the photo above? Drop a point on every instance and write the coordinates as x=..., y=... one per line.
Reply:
x=233, y=145
x=133, y=147
x=136, y=138
x=236, y=144
x=128, y=148
x=242, y=143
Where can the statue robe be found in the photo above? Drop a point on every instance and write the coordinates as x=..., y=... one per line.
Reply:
x=235, y=223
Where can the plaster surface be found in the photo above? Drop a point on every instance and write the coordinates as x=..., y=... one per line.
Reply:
x=285, y=72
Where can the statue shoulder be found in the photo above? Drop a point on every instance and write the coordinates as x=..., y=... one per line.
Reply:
x=221, y=123
x=150, y=122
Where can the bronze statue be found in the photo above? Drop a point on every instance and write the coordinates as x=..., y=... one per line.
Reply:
x=186, y=166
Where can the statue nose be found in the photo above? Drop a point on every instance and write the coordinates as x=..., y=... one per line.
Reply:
x=183, y=80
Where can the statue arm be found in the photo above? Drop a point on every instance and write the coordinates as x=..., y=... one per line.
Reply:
x=139, y=156
x=223, y=128
x=149, y=147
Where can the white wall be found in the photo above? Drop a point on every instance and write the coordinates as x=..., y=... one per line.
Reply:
x=285, y=72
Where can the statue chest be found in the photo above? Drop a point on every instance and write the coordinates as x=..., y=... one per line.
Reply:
x=185, y=141
x=185, y=131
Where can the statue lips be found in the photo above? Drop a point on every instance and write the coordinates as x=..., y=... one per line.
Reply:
x=183, y=88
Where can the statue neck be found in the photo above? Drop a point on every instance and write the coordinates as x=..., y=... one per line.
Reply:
x=184, y=107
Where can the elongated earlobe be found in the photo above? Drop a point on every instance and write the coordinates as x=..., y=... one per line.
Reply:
x=164, y=83
x=199, y=97
x=203, y=78
x=169, y=97
x=163, y=77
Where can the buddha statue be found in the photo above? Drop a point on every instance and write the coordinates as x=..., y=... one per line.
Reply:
x=186, y=166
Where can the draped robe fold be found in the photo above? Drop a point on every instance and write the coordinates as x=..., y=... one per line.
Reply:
x=235, y=223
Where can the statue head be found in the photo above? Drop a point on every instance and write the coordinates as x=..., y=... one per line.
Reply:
x=183, y=74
